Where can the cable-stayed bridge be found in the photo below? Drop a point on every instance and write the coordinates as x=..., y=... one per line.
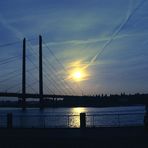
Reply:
x=42, y=77
x=33, y=71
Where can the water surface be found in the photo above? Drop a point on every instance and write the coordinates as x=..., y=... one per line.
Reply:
x=69, y=117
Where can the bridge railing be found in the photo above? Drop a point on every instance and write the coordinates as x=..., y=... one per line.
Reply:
x=71, y=121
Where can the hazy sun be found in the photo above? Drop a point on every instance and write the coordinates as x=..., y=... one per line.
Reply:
x=77, y=72
x=77, y=75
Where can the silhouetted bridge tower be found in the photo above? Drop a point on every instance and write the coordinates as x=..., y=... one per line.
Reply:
x=40, y=71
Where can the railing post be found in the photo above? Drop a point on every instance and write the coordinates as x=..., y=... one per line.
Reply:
x=82, y=120
x=9, y=120
x=68, y=120
x=118, y=120
x=146, y=117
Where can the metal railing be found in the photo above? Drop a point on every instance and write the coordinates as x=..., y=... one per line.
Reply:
x=115, y=120
x=71, y=121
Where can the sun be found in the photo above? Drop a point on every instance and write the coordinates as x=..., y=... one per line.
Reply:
x=77, y=75
x=77, y=72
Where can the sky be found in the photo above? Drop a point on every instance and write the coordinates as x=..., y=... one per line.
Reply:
x=106, y=40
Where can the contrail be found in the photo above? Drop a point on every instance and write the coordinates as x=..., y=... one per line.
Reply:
x=116, y=32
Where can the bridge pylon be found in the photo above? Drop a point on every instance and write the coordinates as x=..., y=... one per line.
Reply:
x=24, y=73
x=40, y=70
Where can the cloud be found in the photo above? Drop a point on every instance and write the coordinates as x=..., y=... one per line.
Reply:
x=94, y=40
x=18, y=34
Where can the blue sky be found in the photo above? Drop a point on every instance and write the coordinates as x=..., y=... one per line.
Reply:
x=108, y=38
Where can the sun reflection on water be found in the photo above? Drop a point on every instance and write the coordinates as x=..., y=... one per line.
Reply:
x=74, y=119
x=78, y=110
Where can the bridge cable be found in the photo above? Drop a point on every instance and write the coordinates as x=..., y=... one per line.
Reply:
x=46, y=71
x=51, y=68
x=33, y=64
x=51, y=52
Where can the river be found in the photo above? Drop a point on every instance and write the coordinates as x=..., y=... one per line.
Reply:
x=69, y=117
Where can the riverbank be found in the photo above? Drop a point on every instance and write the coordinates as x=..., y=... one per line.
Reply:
x=120, y=137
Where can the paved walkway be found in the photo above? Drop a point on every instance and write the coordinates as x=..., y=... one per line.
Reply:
x=125, y=137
